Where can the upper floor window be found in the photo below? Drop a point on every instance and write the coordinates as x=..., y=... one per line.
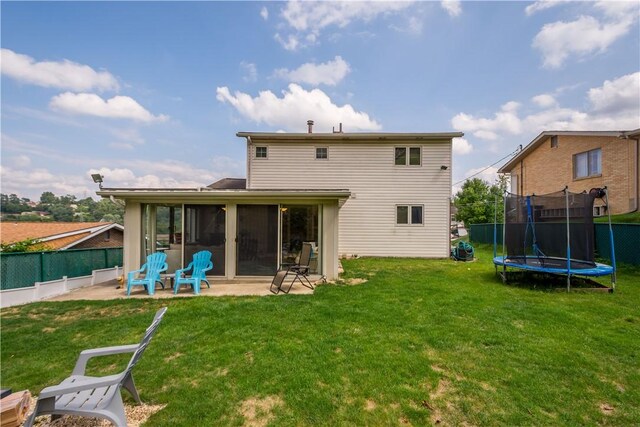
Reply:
x=409, y=214
x=261, y=152
x=408, y=156
x=587, y=164
x=322, y=153
x=554, y=141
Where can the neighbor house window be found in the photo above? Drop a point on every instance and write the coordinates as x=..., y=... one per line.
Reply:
x=554, y=141
x=408, y=156
x=587, y=164
x=409, y=214
x=322, y=153
x=261, y=152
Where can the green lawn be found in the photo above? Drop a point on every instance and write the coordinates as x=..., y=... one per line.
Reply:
x=630, y=218
x=420, y=341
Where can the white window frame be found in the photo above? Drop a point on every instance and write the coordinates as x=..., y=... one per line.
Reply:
x=554, y=141
x=326, y=151
x=590, y=167
x=410, y=222
x=407, y=161
x=255, y=152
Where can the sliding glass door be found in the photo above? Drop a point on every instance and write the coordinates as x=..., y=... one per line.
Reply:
x=300, y=223
x=204, y=229
x=257, y=240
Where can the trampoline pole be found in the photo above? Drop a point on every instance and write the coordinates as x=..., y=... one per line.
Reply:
x=566, y=196
x=495, y=226
x=504, y=242
x=613, y=252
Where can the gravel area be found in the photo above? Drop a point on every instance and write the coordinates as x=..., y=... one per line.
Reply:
x=136, y=416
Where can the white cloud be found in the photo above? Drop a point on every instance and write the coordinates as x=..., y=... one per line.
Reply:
x=20, y=161
x=31, y=183
x=544, y=100
x=329, y=73
x=461, y=146
x=296, y=106
x=168, y=173
x=506, y=120
x=613, y=106
x=308, y=18
x=453, y=7
x=584, y=36
x=618, y=95
x=542, y=5
x=290, y=43
x=63, y=74
x=264, y=12
x=618, y=9
x=128, y=135
x=250, y=70
x=118, y=107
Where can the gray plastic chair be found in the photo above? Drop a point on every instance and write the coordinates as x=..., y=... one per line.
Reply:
x=95, y=396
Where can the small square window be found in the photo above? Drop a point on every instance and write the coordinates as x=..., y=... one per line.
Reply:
x=261, y=152
x=410, y=156
x=554, y=141
x=587, y=164
x=409, y=215
x=401, y=156
x=322, y=153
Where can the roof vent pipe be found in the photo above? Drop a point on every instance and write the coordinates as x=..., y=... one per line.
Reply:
x=310, y=124
x=339, y=129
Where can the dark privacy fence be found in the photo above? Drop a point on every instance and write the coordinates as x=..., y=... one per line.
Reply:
x=626, y=239
x=20, y=270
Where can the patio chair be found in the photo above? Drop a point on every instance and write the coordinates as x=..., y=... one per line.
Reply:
x=199, y=266
x=277, y=281
x=95, y=396
x=301, y=269
x=156, y=264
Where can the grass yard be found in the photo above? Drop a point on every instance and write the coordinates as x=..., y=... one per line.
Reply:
x=420, y=342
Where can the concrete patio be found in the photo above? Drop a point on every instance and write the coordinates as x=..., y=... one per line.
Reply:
x=112, y=289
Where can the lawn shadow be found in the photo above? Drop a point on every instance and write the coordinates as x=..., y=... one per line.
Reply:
x=549, y=282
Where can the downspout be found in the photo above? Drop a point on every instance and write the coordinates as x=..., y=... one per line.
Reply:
x=249, y=144
x=521, y=178
x=636, y=172
x=566, y=196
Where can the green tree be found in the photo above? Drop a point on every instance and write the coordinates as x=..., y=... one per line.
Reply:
x=106, y=210
x=27, y=245
x=476, y=201
x=13, y=204
x=48, y=198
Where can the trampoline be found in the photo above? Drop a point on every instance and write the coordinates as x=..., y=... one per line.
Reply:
x=552, y=234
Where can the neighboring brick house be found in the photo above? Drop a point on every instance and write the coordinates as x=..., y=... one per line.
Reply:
x=64, y=235
x=581, y=160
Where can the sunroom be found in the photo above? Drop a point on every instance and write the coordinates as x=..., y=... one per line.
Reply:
x=250, y=233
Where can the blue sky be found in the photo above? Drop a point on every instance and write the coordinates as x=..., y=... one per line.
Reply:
x=151, y=94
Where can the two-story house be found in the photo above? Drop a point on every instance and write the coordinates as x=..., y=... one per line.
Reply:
x=581, y=160
x=379, y=194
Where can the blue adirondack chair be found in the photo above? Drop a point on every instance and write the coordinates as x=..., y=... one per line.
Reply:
x=156, y=264
x=199, y=266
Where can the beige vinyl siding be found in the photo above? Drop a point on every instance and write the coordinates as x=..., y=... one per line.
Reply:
x=368, y=219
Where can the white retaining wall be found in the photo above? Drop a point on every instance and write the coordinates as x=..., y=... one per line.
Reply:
x=43, y=290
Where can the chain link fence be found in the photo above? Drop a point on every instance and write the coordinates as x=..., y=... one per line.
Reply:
x=21, y=270
x=626, y=238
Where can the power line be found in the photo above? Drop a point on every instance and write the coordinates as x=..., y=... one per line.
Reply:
x=492, y=164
